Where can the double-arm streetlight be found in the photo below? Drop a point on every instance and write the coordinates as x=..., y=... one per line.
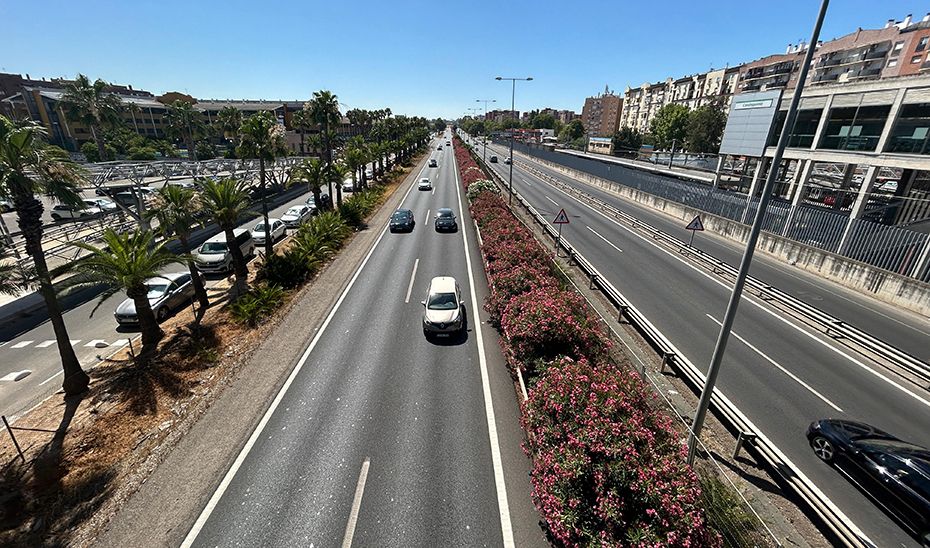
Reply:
x=513, y=95
x=484, y=155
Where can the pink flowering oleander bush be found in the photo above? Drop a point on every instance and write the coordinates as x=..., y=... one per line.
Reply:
x=546, y=323
x=608, y=469
x=514, y=281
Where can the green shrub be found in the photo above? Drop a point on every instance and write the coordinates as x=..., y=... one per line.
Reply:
x=288, y=270
x=318, y=240
x=256, y=305
x=142, y=153
x=351, y=212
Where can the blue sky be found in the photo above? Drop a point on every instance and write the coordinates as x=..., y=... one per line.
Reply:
x=424, y=58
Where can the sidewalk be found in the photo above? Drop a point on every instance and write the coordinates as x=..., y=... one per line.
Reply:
x=702, y=176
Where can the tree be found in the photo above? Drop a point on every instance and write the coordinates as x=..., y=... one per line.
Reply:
x=262, y=137
x=313, y=173
x=302, y=122
x=177, y=210
x=225, y=201
x=324, y=108
x=628, y=139
x=185, y=123
x=543, y=121
x=705, y=128
x=90, y=104
x=439, y=125
x=355, y=160
x=572, y=131
x=670, y=126
x=29, y=167
x=125, y=262
x=228, y=121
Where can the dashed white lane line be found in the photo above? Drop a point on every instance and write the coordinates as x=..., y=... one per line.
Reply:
x=356, y=504
x=94, y=343
x=46, y=344
x=551, y=200
x=426, y=219
x=413, y=276
x=608, y=242
x=22, y=344
x=782, y=369
x=50, y=378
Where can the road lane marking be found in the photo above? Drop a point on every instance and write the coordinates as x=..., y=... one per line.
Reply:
x=95, y=342
x=74, y=341
x=46, y=344
x=413, y=276
x=426, y=219
x=356, y=504
x=120, y=342
x=608, y=242
x=499, y=483
x=22, y=344
x=776, y=364
x=52, y=377
x=551, y=200
x=247, y=448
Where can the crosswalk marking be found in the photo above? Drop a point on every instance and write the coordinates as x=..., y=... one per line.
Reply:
x=46, y=344
x=22, y=344
x=98, y=343
x=74, y=342
x=95, y=341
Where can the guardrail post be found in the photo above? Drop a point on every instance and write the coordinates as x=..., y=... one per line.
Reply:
x=741, y=439
x=591, y=283
x=830, y=332
x=666, y=357
x=621, y=310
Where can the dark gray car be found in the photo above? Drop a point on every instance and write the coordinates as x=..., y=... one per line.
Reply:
x=445, y=220
x=166, y=293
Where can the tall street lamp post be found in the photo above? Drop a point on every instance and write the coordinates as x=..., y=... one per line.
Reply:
x=513, y=95
x=484, y=154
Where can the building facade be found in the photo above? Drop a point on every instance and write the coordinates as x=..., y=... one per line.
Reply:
x=601, y=114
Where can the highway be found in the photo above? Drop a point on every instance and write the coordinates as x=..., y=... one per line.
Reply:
x=778, y=372
x=380, y=437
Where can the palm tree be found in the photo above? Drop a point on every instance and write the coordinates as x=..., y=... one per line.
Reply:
x=28, y=166
x=314, y=173
x=354, y=159
x=302, y=121
x=178, y=209
x=262, y=137
x=90, y=104
x=324, y=108
x=225, y=201
x=185, y=123
x=228, y=121
x=125, y=262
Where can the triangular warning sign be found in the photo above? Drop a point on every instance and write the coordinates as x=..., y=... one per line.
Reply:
x=561, y=218
x=695, y=224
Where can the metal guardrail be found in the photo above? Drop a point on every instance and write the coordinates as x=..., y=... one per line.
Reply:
x=845, y=530
x=831, y=325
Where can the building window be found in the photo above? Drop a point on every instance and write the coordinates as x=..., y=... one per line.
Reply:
x=805, y=127
x=855, y=128
x=911, y=131
x=897, y=47
x=892, y=63
x=922, y=44
x=916, y=59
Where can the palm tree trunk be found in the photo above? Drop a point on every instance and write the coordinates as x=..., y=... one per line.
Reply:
x=327, y=148
x=316, y=199
x=29, y=211
x=269, y=249
x=200, y=291
x=98, y=138
x=148, y=325
x=191, y=153
x=302, y=142
x=239, y=266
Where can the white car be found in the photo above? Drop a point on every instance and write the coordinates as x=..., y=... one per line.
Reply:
x=369, y=173
x=105, y=205
x=296, y=216
x=259, y=231
x=444, y=314
x=424, y=184
x=183, y=184
x=347, y=185
x=61, y=212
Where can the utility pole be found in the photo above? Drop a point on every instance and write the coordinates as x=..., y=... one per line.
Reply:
x=733, y=304
x=513, y=95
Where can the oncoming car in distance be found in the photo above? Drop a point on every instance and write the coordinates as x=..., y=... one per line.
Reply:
x=424, y=184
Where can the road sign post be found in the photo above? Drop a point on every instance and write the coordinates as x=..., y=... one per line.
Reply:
x=694, y=226
x=560, y=219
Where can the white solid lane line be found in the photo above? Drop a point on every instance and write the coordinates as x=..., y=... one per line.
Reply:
x=356, y=504
x=426, y=219
x=50, y=378
x=782, y=369
x=608, y=242
x=502, y=505
x=247, y=448
x=413, y=276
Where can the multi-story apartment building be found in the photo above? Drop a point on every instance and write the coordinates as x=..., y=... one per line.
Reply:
x=601, y=114
x=499, y=116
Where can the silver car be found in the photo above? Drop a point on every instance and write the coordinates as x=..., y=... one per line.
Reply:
x=166, y=293
x=296, y=216
x=444, y=309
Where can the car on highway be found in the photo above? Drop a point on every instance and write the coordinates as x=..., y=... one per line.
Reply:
x=425, y=184
x=493, y=159
x=507, y=160
x=63, y=212
x=448, y=142
x=402, y=221
x=443, y=313
x=275, y=232
x=296, y=216
x=166, y=293
x=894, y=473
x=439, y=147
x=432, y=162
x=214, y=256
x=105, y=205
x=445, y=220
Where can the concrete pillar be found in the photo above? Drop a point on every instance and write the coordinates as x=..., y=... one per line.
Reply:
x=868, y=183
x=754, y=186
x=848, y=173
x=717, y=171
x=822, y=124
x=793, y=184
x=892, y=118
x=799, y=186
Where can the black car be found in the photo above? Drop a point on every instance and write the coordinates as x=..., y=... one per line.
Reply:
x=402, y=221
x=893, y=472
x=445, y=220
x=493, y=159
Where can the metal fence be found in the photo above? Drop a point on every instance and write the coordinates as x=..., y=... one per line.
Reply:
x=898, y=249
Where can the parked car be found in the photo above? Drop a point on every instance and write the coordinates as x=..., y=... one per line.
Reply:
x=444, y=310
x=6, y=206
x=348, y=185
x=256, y=192
x=445, y=220
x=507, y=160
x=296, y=216
x=369, y=173
x=62, y=212
x=493, y=159
x=183, y=184
x=129, y=197
x=894, y=473
x=214, y=255
x=166, y=293
x=111, y=190
x=402, y=221
x=105, y=205
x=311, y=205
x=424, y=184
x=276, y=232
x=432, y=162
